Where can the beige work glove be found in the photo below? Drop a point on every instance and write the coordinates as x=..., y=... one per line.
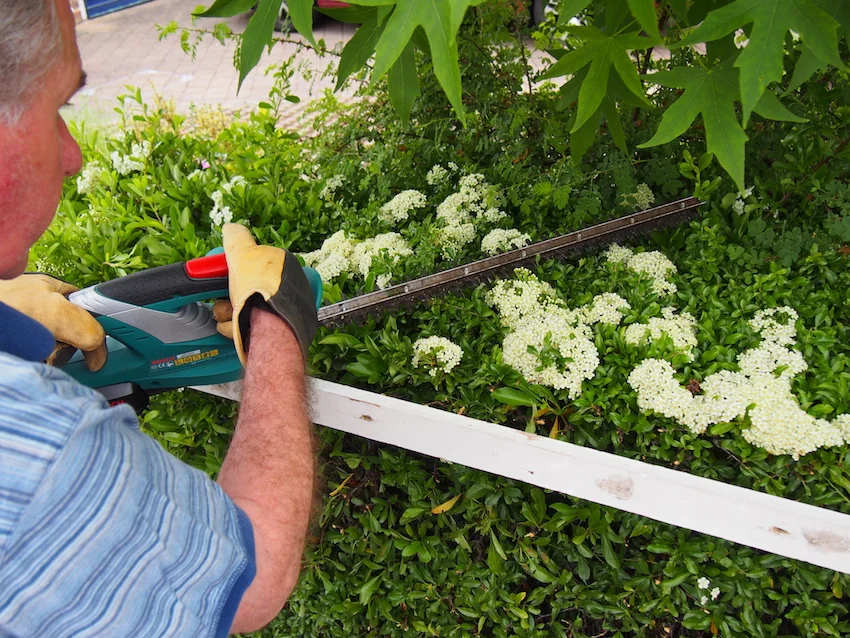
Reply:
x=44, y=299
x=264, y=277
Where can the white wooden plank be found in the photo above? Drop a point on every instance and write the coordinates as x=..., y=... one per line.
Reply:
x=777, y=525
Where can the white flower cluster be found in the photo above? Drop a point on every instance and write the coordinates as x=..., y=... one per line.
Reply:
x=475, y=200
x=437, y=176
x=680, y=328
x=761, y=389
x=436, y=353
x=522, y=297
x=704, y=583
x=220, y=214
x=548, y=343
x=605, y=308
x=643, y=196
x=236, y=180
x=399, y=207
x=652, y=263
x=499, y=240
x=333, y=258
x=739, y=203
x=89, y=178
x=135, y=161
x=391, y=245
x=553, y=348
x=332, y=185
x=340, y=254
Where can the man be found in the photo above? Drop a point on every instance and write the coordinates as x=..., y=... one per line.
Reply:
x=102, y=533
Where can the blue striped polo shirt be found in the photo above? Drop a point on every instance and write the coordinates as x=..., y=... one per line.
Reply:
x=102, y=532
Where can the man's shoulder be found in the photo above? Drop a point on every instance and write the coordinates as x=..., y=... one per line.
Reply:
x=41, y=410
x=29, y=389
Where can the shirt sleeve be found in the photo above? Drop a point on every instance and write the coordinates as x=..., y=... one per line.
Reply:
x=122, y=539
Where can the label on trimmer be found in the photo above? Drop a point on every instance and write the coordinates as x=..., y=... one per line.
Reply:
x=183, y=359
x=195, y=356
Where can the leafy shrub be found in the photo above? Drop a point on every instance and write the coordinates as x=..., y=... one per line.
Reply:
x=505, y=558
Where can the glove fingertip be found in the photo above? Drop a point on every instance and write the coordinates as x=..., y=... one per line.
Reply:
x=96, y=359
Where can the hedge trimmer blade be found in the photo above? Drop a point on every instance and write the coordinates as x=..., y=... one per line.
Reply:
x=564, y=246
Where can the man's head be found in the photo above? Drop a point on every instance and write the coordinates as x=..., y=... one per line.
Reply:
x=40, y=69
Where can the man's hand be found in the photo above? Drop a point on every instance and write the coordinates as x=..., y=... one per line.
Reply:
x=44, y=299
x=268, y=278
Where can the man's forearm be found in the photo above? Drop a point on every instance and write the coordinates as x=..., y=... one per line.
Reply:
x=270, y=467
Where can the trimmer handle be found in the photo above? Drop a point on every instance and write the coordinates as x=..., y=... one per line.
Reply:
x=205, y=275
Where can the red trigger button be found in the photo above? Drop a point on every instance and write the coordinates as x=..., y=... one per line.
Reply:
x=207, y=267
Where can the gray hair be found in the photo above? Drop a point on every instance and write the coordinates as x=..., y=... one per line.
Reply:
x=30, y=46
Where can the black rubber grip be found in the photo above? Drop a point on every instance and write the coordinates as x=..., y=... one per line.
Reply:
x=158, y=284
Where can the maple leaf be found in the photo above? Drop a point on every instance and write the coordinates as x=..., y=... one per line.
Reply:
x=760, y=61
x=602, y=53
x=711, y=92
x=809, y=63
x=440, y=20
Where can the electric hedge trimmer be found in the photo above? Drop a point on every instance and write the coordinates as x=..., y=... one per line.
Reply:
x=162, y=336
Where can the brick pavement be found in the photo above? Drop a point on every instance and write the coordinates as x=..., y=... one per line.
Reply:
x=123, y=48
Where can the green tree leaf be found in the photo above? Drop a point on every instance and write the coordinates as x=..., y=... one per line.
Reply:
x=403, y=82
x=570, y=9
x=770, y=107
x=359, y=48
x=601, y=52
x=807, y=65
x=712, y=93
x=514, y=397
x=440, y=20
x=760, y=61
x=257, y=35
x=644, y=13
x=301, y=13
x=226, y=8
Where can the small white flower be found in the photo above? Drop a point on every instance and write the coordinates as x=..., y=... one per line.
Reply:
x=715, y=593
x=680, y=328
x=437, y=176
x=643, y=197
x=390, y=245
x=436, y=353
x=399, y=207
x=236, y=180
x=333, y=258
x=617, y=254
x=332, y=185
x=703, y=583
x=703, y=600
x=738, y=206
x=605, y=308
x=499, y=240
x=89, y=178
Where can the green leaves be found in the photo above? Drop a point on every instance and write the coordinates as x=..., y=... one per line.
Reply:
x=644, y=13
x=257, y=35
x=403, y=82
x=760, y=61
x=440, y=20
x=360, y=47
x=712, y=93
x=226, y=8
x=600, y=54
x=514, y=397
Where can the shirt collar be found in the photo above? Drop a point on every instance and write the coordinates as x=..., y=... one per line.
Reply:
x=23, y=337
